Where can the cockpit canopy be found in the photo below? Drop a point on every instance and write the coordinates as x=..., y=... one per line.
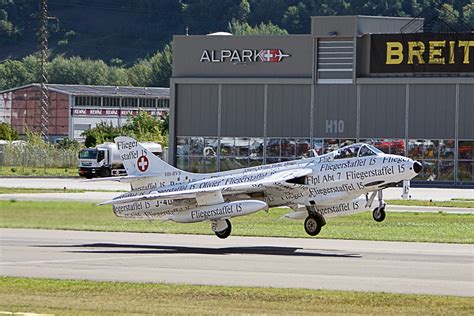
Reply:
x=356, y=150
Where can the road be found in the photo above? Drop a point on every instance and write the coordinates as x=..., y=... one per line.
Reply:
x=61, y=183
x=422, y=268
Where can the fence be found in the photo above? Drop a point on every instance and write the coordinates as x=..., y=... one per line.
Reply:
x=26, y=159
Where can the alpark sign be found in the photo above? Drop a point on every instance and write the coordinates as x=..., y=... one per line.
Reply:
x=243, y=55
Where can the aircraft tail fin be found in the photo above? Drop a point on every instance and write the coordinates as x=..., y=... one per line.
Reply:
x=139, y=161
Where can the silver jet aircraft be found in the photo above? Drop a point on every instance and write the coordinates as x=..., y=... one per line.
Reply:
x=341, y=182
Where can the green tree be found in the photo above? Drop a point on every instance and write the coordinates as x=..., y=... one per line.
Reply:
x=161, y=67
x=13, y=73
x=449, y=15
x=67, y=143
x=243, y=28
x=468, y=14
x=296, y=18
x=164, y=124
x=90, y=141
x=140, y=74
x=101, y=133
x=243, y=10
x=144, y=127
x=7, y=132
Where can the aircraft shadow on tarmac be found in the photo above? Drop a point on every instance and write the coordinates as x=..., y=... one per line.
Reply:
x=110, y=248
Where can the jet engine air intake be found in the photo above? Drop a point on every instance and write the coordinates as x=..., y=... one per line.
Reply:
x=417, y=166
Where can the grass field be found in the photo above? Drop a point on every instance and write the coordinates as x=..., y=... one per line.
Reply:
x=4, y=190
x=38, y=171
x=120, y=298
x=422, y=227
x=453, y=203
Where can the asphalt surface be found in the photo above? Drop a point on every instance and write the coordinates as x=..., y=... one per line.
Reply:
x=422, y=268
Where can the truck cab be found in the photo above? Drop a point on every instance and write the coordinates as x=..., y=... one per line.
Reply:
x=94, y=162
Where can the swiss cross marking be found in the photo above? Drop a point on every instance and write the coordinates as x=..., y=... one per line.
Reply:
x=268, y=55
x=142, y=163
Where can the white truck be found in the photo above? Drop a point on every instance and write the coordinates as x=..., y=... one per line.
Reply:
x=104, y=160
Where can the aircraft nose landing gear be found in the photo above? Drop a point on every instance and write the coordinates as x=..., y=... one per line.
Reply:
x=379, y=212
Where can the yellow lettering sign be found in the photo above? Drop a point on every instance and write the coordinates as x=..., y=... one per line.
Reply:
x=466, y=45
x=416, y=49
x=394, y=53
x=436, y=53
x=451, y=51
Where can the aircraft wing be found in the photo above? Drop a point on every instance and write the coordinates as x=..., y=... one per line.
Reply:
x=214, y=195
x=125, y=179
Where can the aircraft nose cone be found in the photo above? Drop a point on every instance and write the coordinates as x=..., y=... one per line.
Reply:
x=417, y=166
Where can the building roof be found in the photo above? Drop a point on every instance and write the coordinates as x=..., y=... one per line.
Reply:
x=112, y=91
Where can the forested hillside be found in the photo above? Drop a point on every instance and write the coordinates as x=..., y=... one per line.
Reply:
x=126, y=39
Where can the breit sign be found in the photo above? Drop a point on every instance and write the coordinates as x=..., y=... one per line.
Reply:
x=243, y=56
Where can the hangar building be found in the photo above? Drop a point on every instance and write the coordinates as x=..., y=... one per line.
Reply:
x=240, y=101
x=76, y=108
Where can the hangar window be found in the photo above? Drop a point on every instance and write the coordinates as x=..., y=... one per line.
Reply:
x=465, y=171
x=466, y=161
x=437, y=157
x=446, y=170
x=209, y=165
x=195, y=164
x=182, y=146
x=196, y=146
x=86, y=101
x=288, y=148
x=182, y=163
x=256, y=148
x=211, y=145
x=130, y=102
x=303, y=147
x=111, y=101
x=446, y=149
x=415, y=148
x=147, y=102
x=388, y=146
x=318, y=146
x=227, y=146
x=466, y=150
x=273, y=147
x=242, y=147
x=163, y=103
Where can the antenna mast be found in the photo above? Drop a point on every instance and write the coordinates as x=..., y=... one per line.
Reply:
x=43, y=59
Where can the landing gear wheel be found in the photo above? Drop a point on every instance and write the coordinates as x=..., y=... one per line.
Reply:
x=379, y=214
x=226, y=232
x=312, y=225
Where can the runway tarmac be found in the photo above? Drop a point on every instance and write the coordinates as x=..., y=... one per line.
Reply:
x=422, y=268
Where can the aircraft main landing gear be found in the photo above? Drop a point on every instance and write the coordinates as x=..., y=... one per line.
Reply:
x=220, y=232
x=314, y=222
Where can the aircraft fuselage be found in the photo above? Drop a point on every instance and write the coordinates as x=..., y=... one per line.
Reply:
x=332, y=183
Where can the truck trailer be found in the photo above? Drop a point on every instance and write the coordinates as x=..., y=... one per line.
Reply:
x=104, y=160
